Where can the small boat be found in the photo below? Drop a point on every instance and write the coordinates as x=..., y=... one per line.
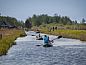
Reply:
x=39, y=39
x=48, y=45
x=32, y=35
x=37, y=31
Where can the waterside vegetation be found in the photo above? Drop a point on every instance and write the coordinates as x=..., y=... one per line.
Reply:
x=74, y=34
x=8, y=38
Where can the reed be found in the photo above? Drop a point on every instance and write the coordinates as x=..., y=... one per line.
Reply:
x=74, y=34
x=8, y=40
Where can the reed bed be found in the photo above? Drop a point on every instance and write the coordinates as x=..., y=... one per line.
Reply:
x=8, y=37
x=74, y=34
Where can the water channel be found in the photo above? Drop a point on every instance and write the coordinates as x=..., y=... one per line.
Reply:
x=64, y=52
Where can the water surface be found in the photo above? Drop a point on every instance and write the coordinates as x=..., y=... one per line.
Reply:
x=64, y=52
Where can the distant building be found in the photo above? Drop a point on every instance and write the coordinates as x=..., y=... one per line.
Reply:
x=4, y=24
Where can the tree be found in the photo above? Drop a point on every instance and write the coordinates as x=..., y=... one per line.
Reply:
x=34, y=20
x=83, y=21
x=75, y=22
x=28, y=24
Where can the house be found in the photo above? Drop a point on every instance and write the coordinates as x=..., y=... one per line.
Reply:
x=4, y=24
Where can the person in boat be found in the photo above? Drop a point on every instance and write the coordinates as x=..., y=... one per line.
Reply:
x=37, y=31
x=47, y=42
x=39, y=37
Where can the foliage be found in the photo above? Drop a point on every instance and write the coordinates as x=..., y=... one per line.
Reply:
x=38, y=20
x=28, y=23
x=83, y=21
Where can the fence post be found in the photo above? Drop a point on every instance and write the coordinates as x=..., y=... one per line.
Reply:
x=0, y=36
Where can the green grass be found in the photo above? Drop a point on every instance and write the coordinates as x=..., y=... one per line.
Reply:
x=7, y=40
x=75, y=34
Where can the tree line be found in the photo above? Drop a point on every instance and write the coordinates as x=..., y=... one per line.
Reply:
x=11, y=20
x=37, y=20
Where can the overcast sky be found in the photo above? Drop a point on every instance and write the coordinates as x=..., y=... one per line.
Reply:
x=22, y=9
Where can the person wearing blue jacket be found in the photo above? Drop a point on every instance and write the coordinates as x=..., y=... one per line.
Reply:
x=46, y=41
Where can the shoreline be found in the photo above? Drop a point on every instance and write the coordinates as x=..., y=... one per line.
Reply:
x=8, y=38
x=72, y=34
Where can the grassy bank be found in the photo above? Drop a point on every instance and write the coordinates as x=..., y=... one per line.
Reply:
x=75, y=34
x=8, y=36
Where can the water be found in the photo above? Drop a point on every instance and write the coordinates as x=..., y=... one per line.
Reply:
x=64, y=52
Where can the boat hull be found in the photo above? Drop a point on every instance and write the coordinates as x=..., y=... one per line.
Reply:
x=47, y=45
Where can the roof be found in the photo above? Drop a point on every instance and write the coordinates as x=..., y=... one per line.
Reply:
x=5, y=24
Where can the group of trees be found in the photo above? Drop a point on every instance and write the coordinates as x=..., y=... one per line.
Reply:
x=12, y=21
x=37, y=20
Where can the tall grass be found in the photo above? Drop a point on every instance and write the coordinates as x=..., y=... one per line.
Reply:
x=75, y=34
x=7, y=40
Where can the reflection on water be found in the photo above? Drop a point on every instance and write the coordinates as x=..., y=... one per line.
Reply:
x=64, y=52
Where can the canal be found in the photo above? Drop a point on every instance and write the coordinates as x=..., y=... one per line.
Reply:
x=64, y=52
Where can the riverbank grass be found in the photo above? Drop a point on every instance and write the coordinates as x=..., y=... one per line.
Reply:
x=74, y=34
x=8, y=40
